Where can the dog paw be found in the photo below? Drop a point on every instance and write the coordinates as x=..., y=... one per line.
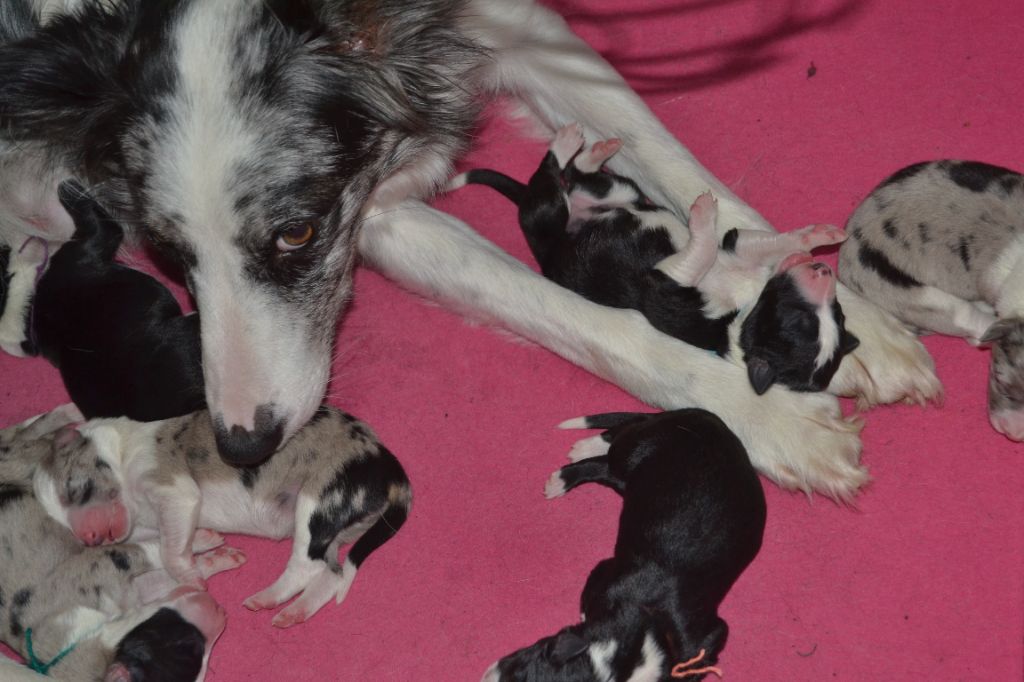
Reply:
x=703, y=215
x=591, y=160
x=205, y=539
x=555, y=487
x=568, y=140
x=585, y=448
x=219, y=560
x=801, y=441
x=890, y=365
x=815, y=236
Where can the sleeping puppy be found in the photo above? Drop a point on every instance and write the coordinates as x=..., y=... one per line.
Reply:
x=941, y=246
x=334, y=483
x=92, y=613
x=692, y=520
x=597, y=234
x=115, y=333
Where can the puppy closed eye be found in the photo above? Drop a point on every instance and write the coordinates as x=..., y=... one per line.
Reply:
x=295, y=236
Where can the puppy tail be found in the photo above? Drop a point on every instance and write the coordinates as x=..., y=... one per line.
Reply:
x=608, y=420
x=511, y=189
x=391, y=519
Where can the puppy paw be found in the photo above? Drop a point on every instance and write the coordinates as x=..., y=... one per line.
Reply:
x=568, y=141
x=703, y=215
x=555, y=487
x=205, y=539
x=890, y=365
x=585, y=448
x=219, y=560
x=815, y=236
x=591, y=160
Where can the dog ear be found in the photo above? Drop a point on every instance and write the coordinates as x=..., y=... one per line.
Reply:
x=761, y=374
x=59, y=85
x=848, y=343
x=566, y=646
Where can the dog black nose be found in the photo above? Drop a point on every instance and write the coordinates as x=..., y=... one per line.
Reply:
x=240, y=447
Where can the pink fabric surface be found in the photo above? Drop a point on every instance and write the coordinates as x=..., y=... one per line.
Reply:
x=922, y=580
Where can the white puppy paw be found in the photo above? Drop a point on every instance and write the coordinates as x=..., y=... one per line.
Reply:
x=555, y=487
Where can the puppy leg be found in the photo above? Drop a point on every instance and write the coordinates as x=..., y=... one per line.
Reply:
x=177, y=509
x=592, y=159
x=757, y=247
x=544, y=209
x=799, y=439
x=688, y=267
x=591, y=470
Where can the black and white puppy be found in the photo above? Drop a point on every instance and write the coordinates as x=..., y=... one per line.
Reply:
x=596, y=233
x=118, y=336
x=940, y=245
x=693, y=517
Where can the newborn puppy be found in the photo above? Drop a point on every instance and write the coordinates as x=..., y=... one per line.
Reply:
x=332, y=484
x=596, y=233
x=90, y=613
x=119, y=338
x=692, y=520
x=940, y=245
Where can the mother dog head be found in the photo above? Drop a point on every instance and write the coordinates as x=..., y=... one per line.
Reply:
x=246, y=137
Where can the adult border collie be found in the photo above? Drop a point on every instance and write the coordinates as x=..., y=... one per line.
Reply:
x=262, y=143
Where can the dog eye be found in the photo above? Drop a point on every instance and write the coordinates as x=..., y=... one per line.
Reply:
x=295, y=237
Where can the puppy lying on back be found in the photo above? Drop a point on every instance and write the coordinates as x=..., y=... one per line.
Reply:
x=940, y=245
x=119, y=338
x=596, y=233
x=693, y=517
x=333, y=483
x=90, y=613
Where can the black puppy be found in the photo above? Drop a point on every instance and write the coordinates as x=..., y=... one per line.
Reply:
x=692, y=520
x=597, y=234
x=118, y=336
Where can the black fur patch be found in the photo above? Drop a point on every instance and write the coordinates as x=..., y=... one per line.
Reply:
x=5, y=275
x=119, y=559
x=873, y=259
x=889, y=227
x=977, y=176
x=964, y=252
x=249, y=476
x=729, y=240
x=924, y=232
x=197, y=455
x=163, y=648
x=9, y=494
x=19, y=600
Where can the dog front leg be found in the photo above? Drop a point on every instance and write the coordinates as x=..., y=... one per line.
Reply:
x=177, y=510
x=798, y=439
x=561, y=79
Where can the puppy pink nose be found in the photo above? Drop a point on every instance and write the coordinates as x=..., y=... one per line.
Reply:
x=91, y=538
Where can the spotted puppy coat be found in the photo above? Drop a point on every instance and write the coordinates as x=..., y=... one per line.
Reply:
x=693, y=517
x=941, y=245
x=332, y=484
x=100, y=605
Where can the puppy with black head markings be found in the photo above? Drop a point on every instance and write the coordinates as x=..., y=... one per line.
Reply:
x=758, y=299
x=693, y=518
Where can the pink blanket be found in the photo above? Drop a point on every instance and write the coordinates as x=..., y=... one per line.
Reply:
x=801, y=107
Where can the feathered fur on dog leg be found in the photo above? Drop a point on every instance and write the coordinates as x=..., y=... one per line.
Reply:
x=798, y=439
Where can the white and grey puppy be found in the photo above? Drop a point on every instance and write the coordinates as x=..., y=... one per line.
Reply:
x=86, y=613
x=261, y=141
x=941, y=246
x=334, y=483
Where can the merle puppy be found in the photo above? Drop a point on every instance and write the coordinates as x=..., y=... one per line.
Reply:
x=118, y=336
x=332, y=484
x=597, y=234
x=941, y=246
x=692, y=520
x=92, y=613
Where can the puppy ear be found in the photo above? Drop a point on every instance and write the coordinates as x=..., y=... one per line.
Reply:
x=761, y=374
x=848, y=343
x=1000, y=329
x=566, y=646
